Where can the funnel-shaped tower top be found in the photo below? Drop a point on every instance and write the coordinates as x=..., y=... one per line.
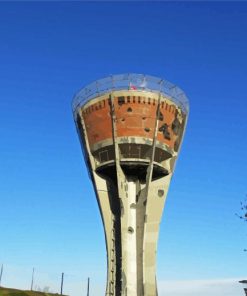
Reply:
x=131, y=81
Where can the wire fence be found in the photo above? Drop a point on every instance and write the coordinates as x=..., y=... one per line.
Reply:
x=32, y=278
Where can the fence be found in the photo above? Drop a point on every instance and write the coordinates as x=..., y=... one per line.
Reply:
x=33, y=278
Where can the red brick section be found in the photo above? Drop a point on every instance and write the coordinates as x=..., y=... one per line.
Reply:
x=98, y=121
x=135, y=117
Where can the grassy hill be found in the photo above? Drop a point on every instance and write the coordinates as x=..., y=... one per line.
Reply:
x=15, y=292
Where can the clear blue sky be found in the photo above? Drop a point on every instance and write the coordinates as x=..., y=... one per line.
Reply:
x=49, y=217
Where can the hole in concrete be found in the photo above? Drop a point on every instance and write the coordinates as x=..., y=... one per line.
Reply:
x=130, y=230
x=133, y=206
x=160, y=192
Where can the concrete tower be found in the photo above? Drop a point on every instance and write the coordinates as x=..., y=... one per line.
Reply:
x=245, y=283
x=131, y=128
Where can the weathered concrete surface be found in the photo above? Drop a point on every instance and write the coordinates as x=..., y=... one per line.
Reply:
x=131, y=141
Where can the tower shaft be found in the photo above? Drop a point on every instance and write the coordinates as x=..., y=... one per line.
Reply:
x=131, y=175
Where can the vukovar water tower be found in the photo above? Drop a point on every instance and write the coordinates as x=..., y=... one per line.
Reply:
x=131, y=127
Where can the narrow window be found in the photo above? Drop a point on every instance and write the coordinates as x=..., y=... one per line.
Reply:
x=121, y=101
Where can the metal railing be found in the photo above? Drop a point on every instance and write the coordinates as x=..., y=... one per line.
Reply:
x=137, y=82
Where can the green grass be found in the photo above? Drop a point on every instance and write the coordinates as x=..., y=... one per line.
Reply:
x=15, y=292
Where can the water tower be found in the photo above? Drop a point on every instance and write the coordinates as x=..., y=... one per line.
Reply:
x=131, y=127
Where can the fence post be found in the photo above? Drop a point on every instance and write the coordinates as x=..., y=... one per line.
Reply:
x=88, y=283
x=1, y=273
x=62, y=284
x=32, y=280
